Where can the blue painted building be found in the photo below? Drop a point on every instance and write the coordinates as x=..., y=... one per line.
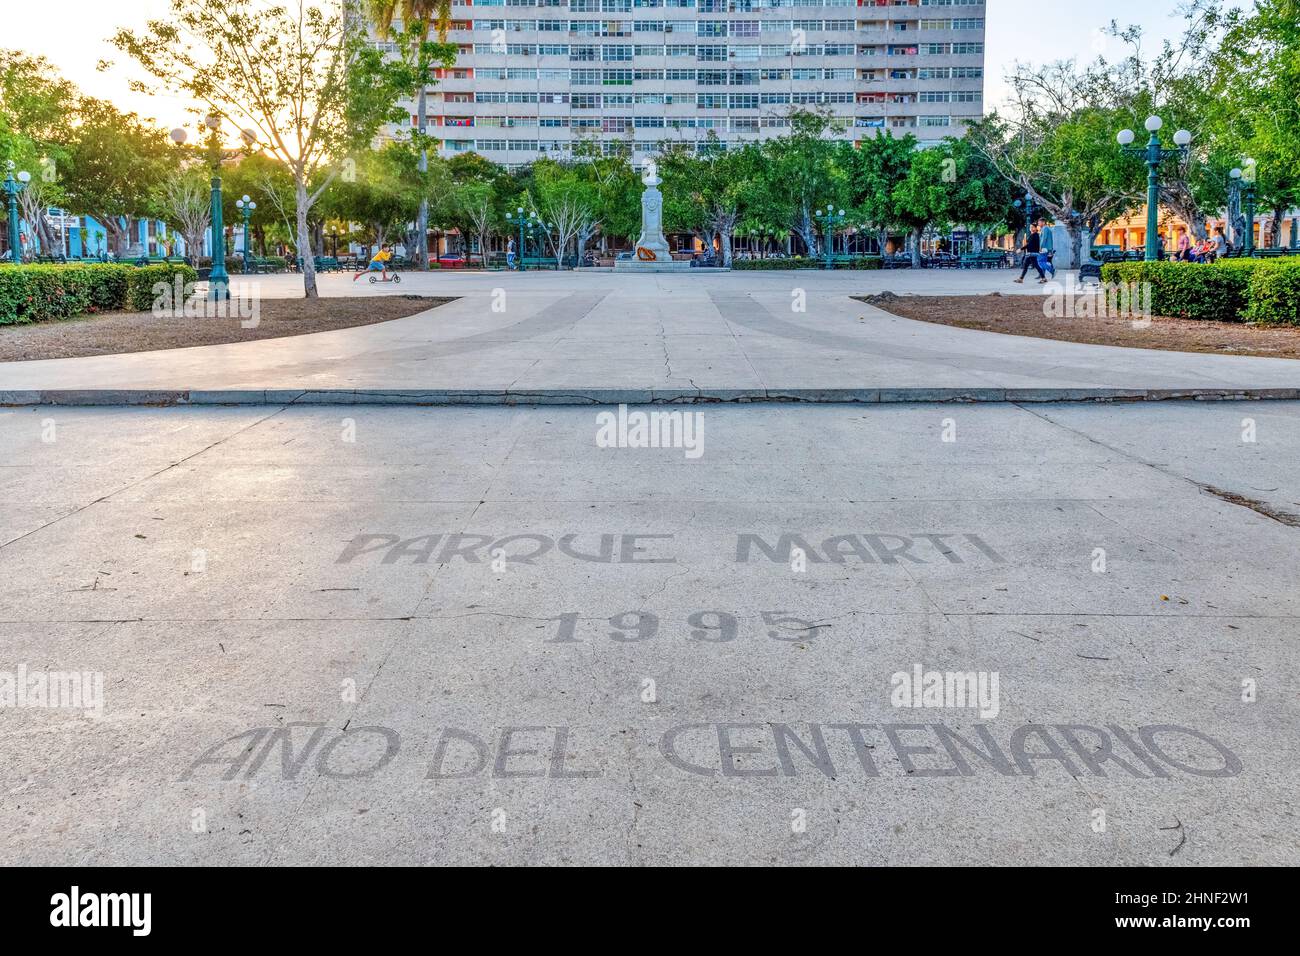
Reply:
x=84, y=236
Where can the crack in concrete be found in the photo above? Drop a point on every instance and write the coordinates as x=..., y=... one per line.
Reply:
x=1259, y=507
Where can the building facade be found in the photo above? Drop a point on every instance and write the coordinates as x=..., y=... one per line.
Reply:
x=534, y=77
x=77, y=237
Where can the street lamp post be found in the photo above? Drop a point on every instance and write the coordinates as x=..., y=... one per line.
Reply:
x=1028, y=205
x=1154, y=154
x=519, y=219
x=246, y=206
x=218, y=278
x=1246, y=178
x=830, y=217
x=12, y=188
x=529, y=222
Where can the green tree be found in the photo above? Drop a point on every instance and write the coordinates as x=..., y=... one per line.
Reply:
x=921, y=197
x=417, y=16
x=566, y=198
x=1254, y=79
x=185, y=202
x=37, y=107
x=874, y=169
x=801, y=173
x=382, y=191
x=114, y=169
x=301, y=80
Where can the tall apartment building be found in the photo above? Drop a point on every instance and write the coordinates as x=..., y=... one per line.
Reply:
x=535, y=76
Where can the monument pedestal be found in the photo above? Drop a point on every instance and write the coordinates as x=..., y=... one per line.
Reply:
x=651, y=253
x=656, y=265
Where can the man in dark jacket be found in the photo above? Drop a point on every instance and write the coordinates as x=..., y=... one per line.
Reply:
x=1032, y=247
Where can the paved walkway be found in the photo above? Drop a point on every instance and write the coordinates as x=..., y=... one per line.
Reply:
x=390, y=636
x=550, y=332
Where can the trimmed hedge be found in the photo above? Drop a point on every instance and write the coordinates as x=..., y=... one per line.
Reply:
x=45, y=293
x=1274, y=295
x=799, y=262
x=1234, y=290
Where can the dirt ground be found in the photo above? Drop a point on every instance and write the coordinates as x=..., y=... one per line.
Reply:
x=142, y=332
x=1025, y=315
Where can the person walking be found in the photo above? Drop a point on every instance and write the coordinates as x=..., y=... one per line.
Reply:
x=1032, y=247
x=1047, y=246
x=510, y=254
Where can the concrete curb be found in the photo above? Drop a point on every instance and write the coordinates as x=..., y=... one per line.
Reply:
x=630, y=396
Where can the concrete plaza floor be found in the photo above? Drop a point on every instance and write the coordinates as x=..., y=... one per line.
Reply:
x=404, y=635
x=556, y=333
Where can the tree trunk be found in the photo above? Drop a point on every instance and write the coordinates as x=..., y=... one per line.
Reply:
x=304, y=240
x=422, y=217
x=917, y=233
x=116, y=234
x=1074, y=230
x=807, y=233
x=1279, y=214
x=724, y=236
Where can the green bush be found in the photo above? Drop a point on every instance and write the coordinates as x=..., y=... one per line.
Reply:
x=44, y=293
x=1234, y=290
x=1188, y=290
x=41, y=293
x=108, y=286
x=1274, y=294
x=140, y=284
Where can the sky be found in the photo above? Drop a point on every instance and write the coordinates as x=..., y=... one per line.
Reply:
x=1035, y=31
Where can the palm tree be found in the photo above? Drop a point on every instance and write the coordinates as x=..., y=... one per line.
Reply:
x=417, y=13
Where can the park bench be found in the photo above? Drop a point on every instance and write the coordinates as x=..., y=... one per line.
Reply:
x=984, y=259
x=1103, y=255
x=159, y=260
x=1272, y=253
x=896, y=262
x=264, y=266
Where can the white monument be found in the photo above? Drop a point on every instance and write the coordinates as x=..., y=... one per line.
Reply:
x=652, y=246
x=651, y=253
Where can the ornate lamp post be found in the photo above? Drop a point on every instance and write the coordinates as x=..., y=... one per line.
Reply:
x=518, y=219
x=246, y=206
x=12, y=188
x=1246, y=178
x=830, y=218
x=529, y=222
x=218, y=279
x=1028, y=205
x=1154, y=154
